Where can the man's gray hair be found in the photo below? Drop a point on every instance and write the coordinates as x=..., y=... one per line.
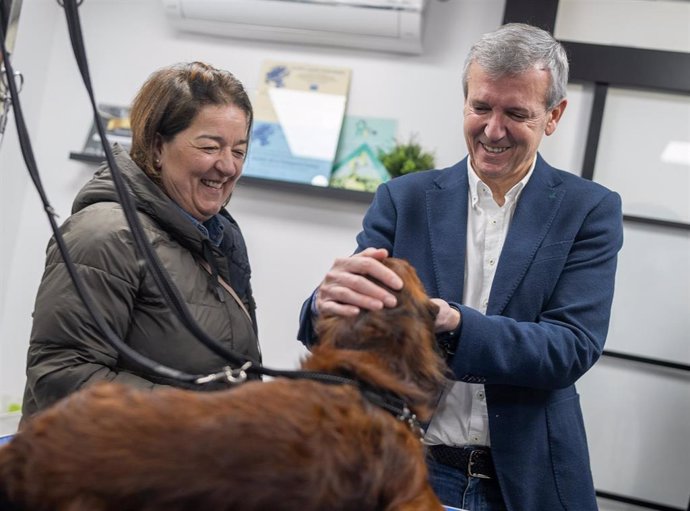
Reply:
x=516, y=47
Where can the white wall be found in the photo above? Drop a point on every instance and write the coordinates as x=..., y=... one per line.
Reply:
x=20, y=265
x=634, y=417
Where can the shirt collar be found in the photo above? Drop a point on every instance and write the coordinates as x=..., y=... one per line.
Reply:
x=211, y=228
x=478, y=188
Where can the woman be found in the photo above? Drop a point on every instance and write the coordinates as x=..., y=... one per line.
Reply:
x=190, y=133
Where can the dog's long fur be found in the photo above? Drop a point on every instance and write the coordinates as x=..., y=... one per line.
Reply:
x=263, y=446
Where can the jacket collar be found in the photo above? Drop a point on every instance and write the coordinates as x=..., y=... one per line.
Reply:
x=447, y=216
x=533, y=217
x=149, y=199
x=447, y=206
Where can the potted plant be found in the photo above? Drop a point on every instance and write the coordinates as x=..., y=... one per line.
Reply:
x=406, y=157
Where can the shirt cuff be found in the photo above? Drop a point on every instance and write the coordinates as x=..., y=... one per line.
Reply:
x=448, y=341
x=314, y=296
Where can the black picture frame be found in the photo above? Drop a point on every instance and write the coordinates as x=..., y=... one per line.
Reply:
x=609, y=66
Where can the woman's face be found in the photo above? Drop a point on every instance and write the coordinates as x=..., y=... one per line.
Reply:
x=200, y=166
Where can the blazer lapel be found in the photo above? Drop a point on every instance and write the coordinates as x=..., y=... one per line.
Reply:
x=447, y=224
x=535, y=211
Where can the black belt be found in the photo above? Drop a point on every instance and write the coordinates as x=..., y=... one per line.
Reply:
x=474, y=461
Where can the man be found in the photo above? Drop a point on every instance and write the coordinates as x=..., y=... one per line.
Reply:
x=522, y=258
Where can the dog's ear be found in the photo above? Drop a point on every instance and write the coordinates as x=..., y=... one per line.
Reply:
x=413, y=293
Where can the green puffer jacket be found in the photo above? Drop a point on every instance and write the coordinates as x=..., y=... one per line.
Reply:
x=67, y=350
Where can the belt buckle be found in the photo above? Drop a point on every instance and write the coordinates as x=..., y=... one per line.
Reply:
x=470, y=462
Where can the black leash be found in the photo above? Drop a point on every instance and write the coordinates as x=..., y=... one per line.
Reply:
x=28, y=155
x=383, y=399
x=388, y=401
x=168, y=290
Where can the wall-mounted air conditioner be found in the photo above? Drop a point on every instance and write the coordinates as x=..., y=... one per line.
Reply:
x=385, y=25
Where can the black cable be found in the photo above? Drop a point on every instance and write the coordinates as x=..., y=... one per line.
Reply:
x=135, y=226
x=379, y=397
x=160, y=275
x=28, y=155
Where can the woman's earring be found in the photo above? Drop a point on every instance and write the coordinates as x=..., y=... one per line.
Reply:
x=156, y=170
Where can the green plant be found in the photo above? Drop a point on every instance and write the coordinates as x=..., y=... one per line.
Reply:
x=406, y=157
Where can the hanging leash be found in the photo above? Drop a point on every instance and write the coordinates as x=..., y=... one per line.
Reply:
x=160, y=276
x=246, y=366
x=28, y=155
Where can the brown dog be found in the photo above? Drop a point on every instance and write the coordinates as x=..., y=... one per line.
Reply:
x=262, y=446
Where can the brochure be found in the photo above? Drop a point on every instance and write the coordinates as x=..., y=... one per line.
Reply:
x=298, y=115
x=357, y=165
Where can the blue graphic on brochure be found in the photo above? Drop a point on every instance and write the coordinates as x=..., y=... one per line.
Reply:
x=270, y=157
x=299, y=110
x=357, y=165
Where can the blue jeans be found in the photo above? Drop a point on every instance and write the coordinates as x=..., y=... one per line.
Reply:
x=454, y=488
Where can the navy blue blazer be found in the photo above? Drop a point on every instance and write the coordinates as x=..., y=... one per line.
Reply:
x=546, y=321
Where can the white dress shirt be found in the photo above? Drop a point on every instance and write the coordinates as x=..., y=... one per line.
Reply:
x=462, y=417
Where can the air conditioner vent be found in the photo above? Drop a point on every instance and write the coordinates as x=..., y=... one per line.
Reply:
x=385, y=25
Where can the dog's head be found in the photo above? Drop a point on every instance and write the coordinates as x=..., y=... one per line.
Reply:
x=400, y=339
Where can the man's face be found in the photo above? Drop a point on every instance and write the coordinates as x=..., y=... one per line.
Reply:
x=505, y=119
